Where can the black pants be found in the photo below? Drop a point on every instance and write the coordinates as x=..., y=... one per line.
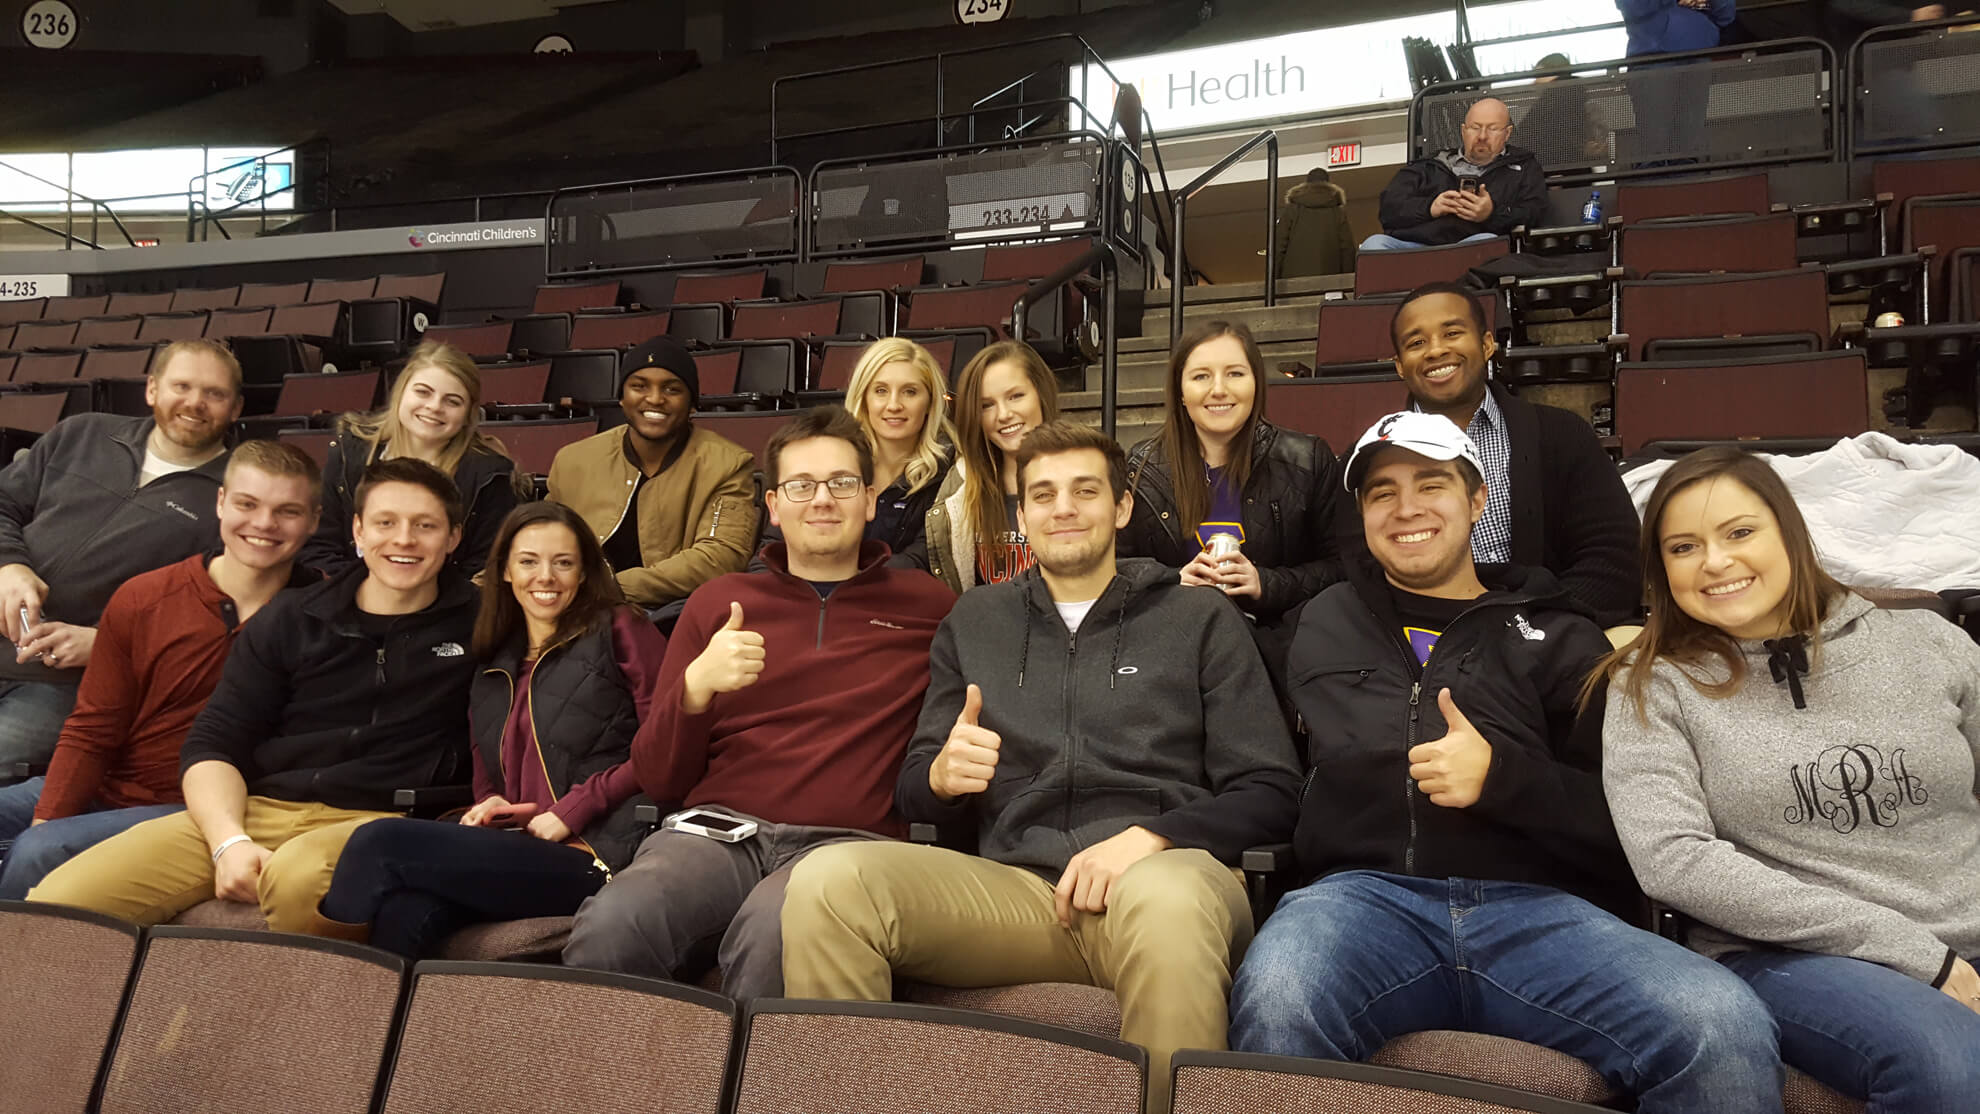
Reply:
x=417, y=881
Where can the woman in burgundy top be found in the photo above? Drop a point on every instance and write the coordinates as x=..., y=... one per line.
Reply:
x=567, y=674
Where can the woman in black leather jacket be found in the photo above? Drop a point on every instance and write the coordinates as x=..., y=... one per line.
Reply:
x=1276, y=491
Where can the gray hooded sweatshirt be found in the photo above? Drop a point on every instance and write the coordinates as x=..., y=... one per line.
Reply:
x=1847, y=827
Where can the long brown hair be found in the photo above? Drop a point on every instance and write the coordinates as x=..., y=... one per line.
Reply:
x=983, y=463
x=1179, y=440
x=1669, y=633
x=501, y=619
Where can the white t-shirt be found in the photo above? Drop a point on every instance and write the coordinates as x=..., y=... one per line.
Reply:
x=1074, y=613
x=156, y=466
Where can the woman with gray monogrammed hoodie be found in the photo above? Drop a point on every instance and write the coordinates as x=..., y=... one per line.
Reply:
x=1795, y=769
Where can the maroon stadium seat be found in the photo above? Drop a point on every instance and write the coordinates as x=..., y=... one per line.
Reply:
x=315, y=442
x=1739, y=244
x=327, y=394
x=1353, y=336
x=76, y=308
x=25, y=309
x=750, y=429
x=617, y=330
x=272, y=294
x=424, y=287
x=1820, y=395
x=190, y=299
x=887, y=274
x=1722, y=306
x=770, y=320
x=487, y=339
x=29, y=335
x=1696, y=197
x=570, y=297
x=122, y=305
x=533, y=445
x=722, y=286
x=965, y=307
x=1336, y=410
x=46, y=367
x=224, y=323
x=173, y=326
x=514, y=384
x=341, y=290
x=1403, y=270
x=1030, y=261
x=108, y=330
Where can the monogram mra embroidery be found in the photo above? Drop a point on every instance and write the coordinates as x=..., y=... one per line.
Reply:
x=1848, y=785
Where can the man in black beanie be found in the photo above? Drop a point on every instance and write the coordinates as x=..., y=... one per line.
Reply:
x=672, y=504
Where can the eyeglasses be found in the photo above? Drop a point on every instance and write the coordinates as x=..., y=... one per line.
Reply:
x=804, y=491
x=1487, y=129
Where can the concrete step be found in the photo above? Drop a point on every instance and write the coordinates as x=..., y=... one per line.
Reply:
x=1291, y=314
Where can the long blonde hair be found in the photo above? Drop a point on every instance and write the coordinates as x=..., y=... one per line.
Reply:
x=380, y=427
x=983, y=463
x=932, y=447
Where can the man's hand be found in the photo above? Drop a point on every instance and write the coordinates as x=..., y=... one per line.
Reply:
x=1929, y=11
x=1451, y=770
x=1475, y=207
x=732, y=662
x=19, y=588
x=969, y=758
x=477, y=817
x=1090, y=877
x=550, y=826
x=1963, y=985
x=237, y=876
x=58, y=645
x=1446, y=203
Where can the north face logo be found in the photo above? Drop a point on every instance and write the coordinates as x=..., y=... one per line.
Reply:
x=448, y=650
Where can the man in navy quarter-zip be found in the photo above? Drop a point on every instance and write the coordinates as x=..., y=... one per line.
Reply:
x=1469, y=875
x=335, y=696
x=1107, y=738
x=786, y=698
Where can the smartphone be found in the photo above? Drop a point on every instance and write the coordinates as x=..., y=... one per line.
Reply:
x=717, y=826
x=511, y=816
x=1469, y=185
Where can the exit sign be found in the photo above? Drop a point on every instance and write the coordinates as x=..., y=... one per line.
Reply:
x=1344, y=154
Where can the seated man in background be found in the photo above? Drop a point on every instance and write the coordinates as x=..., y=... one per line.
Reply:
x=99, y=499
x=159, y=649
x=337, y=695
x=1555, y=500
x=673, y=505
x=1109, y=793
x=787, y=698
x=1486, y=188
x=1494, y=899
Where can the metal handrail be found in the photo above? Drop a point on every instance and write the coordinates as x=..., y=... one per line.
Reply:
x=1179, y=259
x=68, y=237
x=1850, y=74
x=68, y=203
x=1103, y=255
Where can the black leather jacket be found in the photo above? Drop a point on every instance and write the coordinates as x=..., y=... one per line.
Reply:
x=1295, y=514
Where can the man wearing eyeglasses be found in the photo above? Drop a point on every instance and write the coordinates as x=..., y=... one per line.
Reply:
x=1485, y=188
x=787, y=698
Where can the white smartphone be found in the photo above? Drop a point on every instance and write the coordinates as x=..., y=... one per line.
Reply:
x=717, y=826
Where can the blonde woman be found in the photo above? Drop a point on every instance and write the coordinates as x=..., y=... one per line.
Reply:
x=434, y=415
x=1005, y=392
x=896, y=393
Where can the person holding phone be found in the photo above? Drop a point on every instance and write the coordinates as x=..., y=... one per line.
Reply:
x=567, y=674
x=1484, y=187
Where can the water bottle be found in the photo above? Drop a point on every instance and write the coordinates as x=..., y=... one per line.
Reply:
x=1591, y=213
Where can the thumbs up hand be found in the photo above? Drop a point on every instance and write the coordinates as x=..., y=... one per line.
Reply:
x=969, y=759
x=732, y=661
x=1451, y=770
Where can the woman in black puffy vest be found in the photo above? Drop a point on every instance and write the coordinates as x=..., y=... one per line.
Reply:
x=568, y=670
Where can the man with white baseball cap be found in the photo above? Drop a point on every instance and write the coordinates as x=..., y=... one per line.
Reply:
x=1469, y=875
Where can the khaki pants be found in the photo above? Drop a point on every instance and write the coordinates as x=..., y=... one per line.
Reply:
x=160, y=868
x=1177, y=923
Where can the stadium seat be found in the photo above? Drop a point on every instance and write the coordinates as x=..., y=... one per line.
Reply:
x=750, y=375
x=1744, y=194
x=1238, y=1083
x=838, y=359
x=24, y=309
x=965, y=307
x=773, y=320
x=1896, y=181
x=425, y=287
x=124, y=305
x=312, y=398
x=1821, y=395
x=26, y=415
x=398, y=311
x=1031, y=261
x=879, y=1056
x=341, y=290
x=490, y=338
x=224, y=323
x=570, y=297
x=534, y=444
x=1727, y=306
x=190, y=298
x=1337, y=409
x=617, y=330
x=107, y=330
x=76, y=307
x=537, y=333
x=1724, y=245
x=650, y=1046
x=514, y=384
x=1945, y=225
x=117, y=378
x=7, y=361
x=29, y=335
x=205, y=997
x=272, y=294
x=66, y=1001
x=1398, y=272
x=45, y=367
x=182, y=325
x=720, y=286
x=870, y=293
x=299, y=340
x=750, y=429
x=316, y=443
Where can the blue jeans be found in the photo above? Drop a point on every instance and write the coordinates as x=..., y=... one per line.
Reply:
x=17, y=803
x=31, y=715
x=1382, y=241
x=39, y=850
x=1868, y=1031
x=1357, y=959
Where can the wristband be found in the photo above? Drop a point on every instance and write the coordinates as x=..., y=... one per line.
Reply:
x=226, y=843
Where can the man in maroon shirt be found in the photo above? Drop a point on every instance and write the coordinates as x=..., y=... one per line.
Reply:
x=159, y=650
x=787, y=697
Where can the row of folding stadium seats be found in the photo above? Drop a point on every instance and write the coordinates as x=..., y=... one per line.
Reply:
x=421, y=287
x=156, y=1020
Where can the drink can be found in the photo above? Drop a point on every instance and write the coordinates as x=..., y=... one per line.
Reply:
x=1223, y=545
x=1890, y=320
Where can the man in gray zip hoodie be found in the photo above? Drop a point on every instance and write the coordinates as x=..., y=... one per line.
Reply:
x=96, y=501
x=1109, y=739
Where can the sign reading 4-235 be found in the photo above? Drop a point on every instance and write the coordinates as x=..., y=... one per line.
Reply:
x=982, y=11
x=49, y=24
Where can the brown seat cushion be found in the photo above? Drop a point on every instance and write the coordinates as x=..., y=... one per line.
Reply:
x=537, y=939
x=214, y=913
x=1509, y=1063
x=1090, y=1009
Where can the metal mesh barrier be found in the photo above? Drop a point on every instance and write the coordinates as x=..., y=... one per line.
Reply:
x=932, y=199
x=1776, y=103
x=1915, y=89
x=678, y=222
